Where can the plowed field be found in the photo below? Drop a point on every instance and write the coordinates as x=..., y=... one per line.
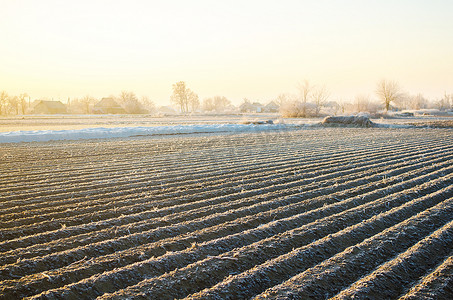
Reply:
x=313, y=213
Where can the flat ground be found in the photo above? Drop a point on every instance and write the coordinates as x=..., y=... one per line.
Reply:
x=310, y=213
x=69, y=122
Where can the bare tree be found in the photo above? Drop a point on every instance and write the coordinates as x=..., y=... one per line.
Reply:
x=320, y=96
x=283, y=98
x=362, y=102
x=23, y=102
x=183, y=96
x=403, y=101
x=126, y=96
x=86, y=102
x=443, y=103
x=221, y=103
x=292, y=107
x=334, y=106
x=305, y=90
x=148, y=104
x=208, y=104
x=193, y=100
x=388, y=91
x=417, y=102
x=130, y=103
x=216, y=103
x=451, y=101
x=179, y=96
x=13, y=102
x=446, y=102
x=3, y=102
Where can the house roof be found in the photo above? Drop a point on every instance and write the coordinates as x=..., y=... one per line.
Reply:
x=272, y=104
x=48, y=107
x=257, y=104
x=107, y=102
x=51, y=104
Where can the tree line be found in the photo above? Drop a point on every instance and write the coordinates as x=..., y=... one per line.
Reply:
x=183, y=97
x=129, y=101
x=13, y=104
x=308, y=102
x=311, y=99
x=188, y=101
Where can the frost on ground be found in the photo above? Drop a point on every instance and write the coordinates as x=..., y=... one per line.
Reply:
x=95, y=133
x=433, y=124
x=313, y=213
x=24, y=129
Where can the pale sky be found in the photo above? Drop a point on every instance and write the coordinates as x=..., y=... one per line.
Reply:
x=238, y=49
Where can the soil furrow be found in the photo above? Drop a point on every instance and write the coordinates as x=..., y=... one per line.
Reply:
x=273, y=239
x=14, y=244
x=258, y=168
x=397, y=170
x=436, y=285
x=311, y=213
x=273, y=272
x=142, y=253
x=362, y=184
x=340, y=271
x=382, y=148
x=390, y=279
x=56, y=224
x=161, y=161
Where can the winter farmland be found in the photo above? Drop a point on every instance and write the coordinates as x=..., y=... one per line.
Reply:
x=310, y=213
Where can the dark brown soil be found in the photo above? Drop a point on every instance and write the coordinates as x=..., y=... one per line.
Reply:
x=229, y=216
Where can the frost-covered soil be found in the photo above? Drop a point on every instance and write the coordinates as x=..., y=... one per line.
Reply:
x=74, y=127
x=115, y=132
x=309, y=213
x=35, y=128
x=72, y=122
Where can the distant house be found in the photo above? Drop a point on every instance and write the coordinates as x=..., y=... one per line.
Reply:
x=108, y=106
x=166, y=110
x=48, y=107
x=254, y=107
x=258, y=107
x=272, y=107
x=245, y=107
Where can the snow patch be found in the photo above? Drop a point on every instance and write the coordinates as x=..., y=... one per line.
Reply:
x=96, y=133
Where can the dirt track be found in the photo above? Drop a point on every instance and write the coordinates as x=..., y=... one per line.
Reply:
x=319, y=212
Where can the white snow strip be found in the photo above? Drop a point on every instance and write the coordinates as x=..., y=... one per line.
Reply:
x=96, y=133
